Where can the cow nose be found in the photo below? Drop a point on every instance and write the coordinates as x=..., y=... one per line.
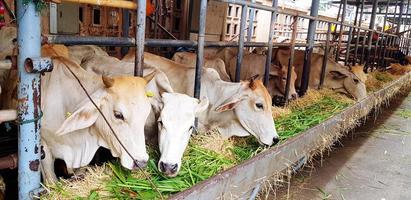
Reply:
x=168, y=168
x=275, y=140
x=140, y=163
x=294, y=96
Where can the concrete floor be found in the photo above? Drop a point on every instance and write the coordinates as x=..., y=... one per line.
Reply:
x=373, y=162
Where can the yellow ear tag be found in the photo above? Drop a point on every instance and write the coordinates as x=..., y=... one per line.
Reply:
x=149, y=94
x=68, y=114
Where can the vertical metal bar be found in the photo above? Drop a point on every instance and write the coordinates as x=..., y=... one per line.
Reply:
x=357, y=9
x=200, y=48
x=324, y=65
x=29, y=108
x=310, y=40
x=291, y=59
x=375, y=64
x=357, y=41
x=400, y=16
x=371, y=33
x=125, y=27
x=156, y=15
x=270, y=44
x=347, y=53
x=337, y=56
x=140, y=36
x=250, y=23
x=241, y=43
x=383, y=38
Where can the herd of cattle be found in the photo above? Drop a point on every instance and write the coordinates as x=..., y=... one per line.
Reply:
x=158, y=106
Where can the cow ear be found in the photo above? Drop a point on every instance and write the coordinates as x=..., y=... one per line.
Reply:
x=337, y=75
x=275, y=70
x=202, y=105
x=150, y=76
x=230, y=104
x=82, y=118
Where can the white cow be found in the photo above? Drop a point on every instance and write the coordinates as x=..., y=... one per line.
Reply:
x=174, y=113
x=80, y=53
x=189, y=59
x=73, y=129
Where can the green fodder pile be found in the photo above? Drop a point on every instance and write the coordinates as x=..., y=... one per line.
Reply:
x=207, y=155
x=376, y=80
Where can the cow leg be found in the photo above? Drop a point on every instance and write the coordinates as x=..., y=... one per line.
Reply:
x=47, y=166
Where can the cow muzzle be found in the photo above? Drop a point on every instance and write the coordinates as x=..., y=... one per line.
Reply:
x=168, y=169
x=140, y=164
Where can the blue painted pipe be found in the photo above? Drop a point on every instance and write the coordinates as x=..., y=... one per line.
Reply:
x=29, y=112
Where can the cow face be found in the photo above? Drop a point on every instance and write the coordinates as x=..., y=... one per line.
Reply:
x=175, y=125
x=252, y=107
x=278, y=81
x=124, y=103
x=351, y=83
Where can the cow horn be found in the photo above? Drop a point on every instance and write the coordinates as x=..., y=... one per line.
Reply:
x=149, y=76
x=108, y=81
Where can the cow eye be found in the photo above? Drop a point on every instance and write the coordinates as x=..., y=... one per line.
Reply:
x=356, y=81
x=118, y=115
x=284, y=78
x=259, y=106
x=160, y=123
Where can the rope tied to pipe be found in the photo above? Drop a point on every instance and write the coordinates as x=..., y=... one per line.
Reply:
x=19, y=122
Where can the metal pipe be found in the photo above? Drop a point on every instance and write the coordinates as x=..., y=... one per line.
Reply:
x=125, y=27
x=357, y=41
x=162, y=28
x=270, y=44
x=325, y=58
x=8, y=162
x=156, y=15
x=109, y=3
x=347, y=53
x=116, y=41
x=337, y=55
x=383, y=39
x=38, y=65
x=291, y=59
x=400, y=16
x=200, y=48
x=250, y=23
x=291, y=12
x=140, y=36
x=241, y=43
x=308, y=51
x=371, y=33
x=29, y=108
x=357, y=9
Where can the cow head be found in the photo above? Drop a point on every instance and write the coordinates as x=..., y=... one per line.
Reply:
x=252, y=107
x=278, y=81
x=124, y=103
x=348, y=82
x=175, y=125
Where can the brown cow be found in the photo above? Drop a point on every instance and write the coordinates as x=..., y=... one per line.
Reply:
x=338, y=77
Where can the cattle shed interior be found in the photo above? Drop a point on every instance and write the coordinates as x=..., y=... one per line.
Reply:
x=315, y=35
